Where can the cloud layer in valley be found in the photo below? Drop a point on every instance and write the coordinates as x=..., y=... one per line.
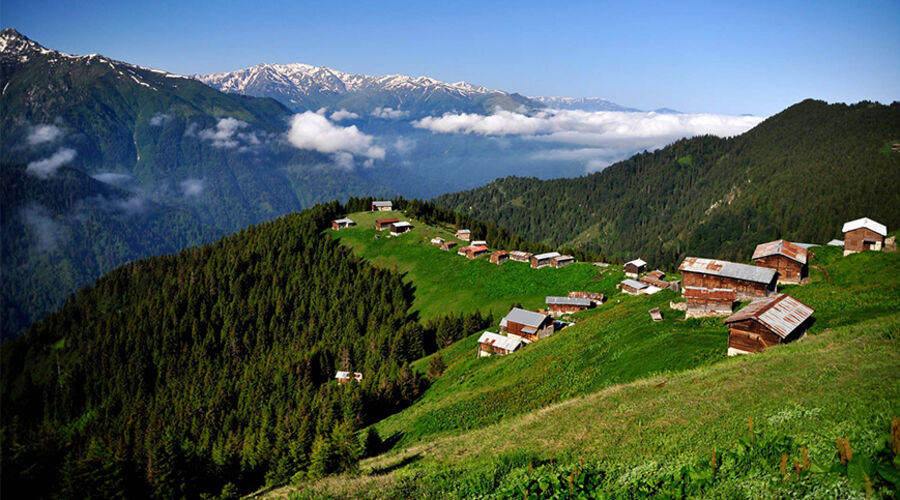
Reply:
x=314, y=131
x=46, y=168
x=40, y=134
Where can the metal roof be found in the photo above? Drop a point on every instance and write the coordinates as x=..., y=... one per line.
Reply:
x=401, y=224
x=386, y=221
x=564, y=257
x=342, y=375
x=479, y=243
x=635, y=284
x=478, y=248
x=806, y=245
x=867, y=223
x=548, y=255
x=656, y=274
x=636, y=262
x=382, y=203
x=501, y=341
x=344, y=221
x=836, y=243
x=780, y=313
x=781, y=247
x=523, y=317
x=463, y=231
x=727, y=269
x=519, y=253
x=568, y=301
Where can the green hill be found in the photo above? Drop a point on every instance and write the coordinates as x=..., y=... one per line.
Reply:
x=798, y=175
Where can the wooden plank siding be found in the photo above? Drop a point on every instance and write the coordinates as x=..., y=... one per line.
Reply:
x=789, y=270
x=862, y=239
x=744, y=289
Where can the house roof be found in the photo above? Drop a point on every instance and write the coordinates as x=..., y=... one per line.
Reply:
x=548, y=255
x=523, y=317
x=382, y=204
x=479, y=243
x=835, y=243
x=478, y=248
x=781, y=247
x=519, y=253
x=568, y=301
x=636, y=262
x=386, y=221
x=402, y=224
x=449, y=244
x=634, y=284
x=499, y=253
x=727, y=269
x=564, y=257
x=344, y=221
x=342, y=375
x=696, y=292
x=867, y=223
x=501, y=341
x=463, y=231
x=437, y=239
x=780, y=313
x=657, y=274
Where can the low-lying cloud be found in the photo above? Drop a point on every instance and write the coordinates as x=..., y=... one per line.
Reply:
x=40, y=134
x=112, y=178
x=389, y=113
x=226, y=134
x=343, y=114
x=192, y=187
x=158, y=119
x=314, y=131
x=46, y=168
x=46, y=230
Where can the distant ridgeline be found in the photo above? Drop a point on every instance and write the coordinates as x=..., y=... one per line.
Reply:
x=798, y=175
x=174, y=375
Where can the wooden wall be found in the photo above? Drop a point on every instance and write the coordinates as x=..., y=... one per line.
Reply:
x=745, y=290
x=854, y=240
x=789, y=270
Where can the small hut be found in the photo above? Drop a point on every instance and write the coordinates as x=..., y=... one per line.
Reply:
x=490, y=344
x=788, y=259
x=634, y=268
x=499, y=257
x=766, y=322
x=339, y=224
x=863, y=234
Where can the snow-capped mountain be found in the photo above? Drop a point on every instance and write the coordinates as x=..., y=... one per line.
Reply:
x=581, y=103
x=303, y=86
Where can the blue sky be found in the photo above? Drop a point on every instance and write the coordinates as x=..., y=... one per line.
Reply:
x=719, y=57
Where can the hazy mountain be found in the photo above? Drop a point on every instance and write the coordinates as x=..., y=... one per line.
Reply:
x=581, y=103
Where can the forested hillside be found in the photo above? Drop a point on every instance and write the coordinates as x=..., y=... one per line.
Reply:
x=799, y=175
x=174, y=375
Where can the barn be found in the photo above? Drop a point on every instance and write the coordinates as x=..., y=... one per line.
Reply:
x=543, y=259
x=398, y=228
x=704, y=302
x=748, y=282
x=863, y=234
x=448, y=245
x=339, y=224
x=595, y=297
x=633, y=287
x=788, y=259
x=491, y=343
x=765, y=322
x=528, y=326
x=438, y=241
x=634, y=268
x=472, y=252
x=562, y=261
x=499, y=257
x=464, y=234
x=519, y=256
x=564, y=305
x=382, y=224
x=382, y=206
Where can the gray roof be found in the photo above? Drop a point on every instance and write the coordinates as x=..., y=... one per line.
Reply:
x=569, y=301
x=727, y=269
x=780, y=313
x=501, y=341
x=463, y=231
x=382, y=203
x=836, y=243
x=635, y=284
x=548, y=255
x=524, y=317
x=401, y=224
x=344, y=221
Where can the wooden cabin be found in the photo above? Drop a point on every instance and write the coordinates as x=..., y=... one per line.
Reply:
x=479, y=243
x=490, y=344
x=657, y=274
x=382, y=206
x=557, y=306
x=464, y=234
x=472, y=252
x=705, y=302
x=528, y=326
x=634, y=268
x=863, y=234
x=339, y=224
x=633, y=287
x=655, y=314
x=520, y=256
x=766, y=322
x=562, y=261
x=748, y=282
x=499, y=257
x=543, y=259
x=437, y=241
x=448, y=245
x=344, y=377
x=382, y=224
x=595, y=297
x=788, y=259
x=398, y=228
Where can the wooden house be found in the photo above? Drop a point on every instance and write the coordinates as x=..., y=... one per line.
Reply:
x=398, y=228
x=339, y=224
x=748, y=282
x=704, y=302
x=490, y=344
x=382, y=224
x=655, y=314
x=633, y=287
x=528, y=326
x=596, y=298
x=863, y=234
x=499, y=257
x=765, y=322
x=448, y=245
x=344, y=377
x=464, y=234
x=473, y=252
x=437, y=241
x=543, y=259
x=564, y=305
x=788, y=259
x=520, y=256
x=382, y=206
x=562, y=261
x=634, y=268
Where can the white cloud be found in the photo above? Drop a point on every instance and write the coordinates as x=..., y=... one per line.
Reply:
x=344, y=160
x=223, y=136
x=192, y=187
x=132, y=206
x=404, y=145
x=112, y=177
x=40, y=134
x=389, y=113
x=47, y=167
x=159, y=118
x=47, y=231
x=343, y=114
x=313, y=131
